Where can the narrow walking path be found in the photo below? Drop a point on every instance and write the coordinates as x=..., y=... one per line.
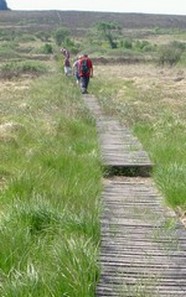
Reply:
x=121, y=151
x=143, y=246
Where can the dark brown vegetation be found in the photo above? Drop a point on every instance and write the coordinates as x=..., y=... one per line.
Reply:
x=137, y=40
x=79, y=22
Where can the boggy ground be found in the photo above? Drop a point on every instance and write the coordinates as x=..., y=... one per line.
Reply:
x=148, y=87
x=153, y=97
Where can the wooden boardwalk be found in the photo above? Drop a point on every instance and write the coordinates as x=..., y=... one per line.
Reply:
x=143, y=246
x=121, y=151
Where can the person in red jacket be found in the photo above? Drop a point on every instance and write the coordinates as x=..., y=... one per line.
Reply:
x=85, y=72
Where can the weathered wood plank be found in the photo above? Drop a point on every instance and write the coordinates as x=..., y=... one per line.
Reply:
x=122, y=153
x=137, y=247
x=143, y=246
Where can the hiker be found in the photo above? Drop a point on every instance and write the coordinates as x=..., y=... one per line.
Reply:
x=65, y=52
x=67, y=65
x=85, y=72
x=75, y=69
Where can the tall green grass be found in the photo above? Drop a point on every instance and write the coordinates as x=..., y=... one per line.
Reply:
x=51, y=173
x=166, y=142
x=159, y=127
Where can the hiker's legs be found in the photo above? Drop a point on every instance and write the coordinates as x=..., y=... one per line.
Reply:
x=77, y=79
x=84, y=81
x=67, y=67
x=67, y=70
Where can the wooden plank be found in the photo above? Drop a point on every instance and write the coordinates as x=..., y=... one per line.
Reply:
x=122, y=153
x=136, y=247
x=143, y=246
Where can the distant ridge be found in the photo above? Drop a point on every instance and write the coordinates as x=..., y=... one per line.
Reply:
x=82, y=20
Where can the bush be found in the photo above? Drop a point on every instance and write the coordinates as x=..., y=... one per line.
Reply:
x=14, y=69
x=47, y=49
x=170, y=54
x=60, y=35
x=126, y=43
x=141, y=44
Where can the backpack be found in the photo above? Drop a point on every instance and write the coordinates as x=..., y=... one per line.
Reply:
x=84, y=69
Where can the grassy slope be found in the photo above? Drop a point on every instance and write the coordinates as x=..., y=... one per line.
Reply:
x=50, y=171
x=50, y=179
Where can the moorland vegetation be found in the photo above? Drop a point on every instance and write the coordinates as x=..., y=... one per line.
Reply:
x=50, y=169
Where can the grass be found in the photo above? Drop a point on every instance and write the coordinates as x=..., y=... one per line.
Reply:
x=50, y=187
x=50, y=170
x=151, y=102
x=15, y=69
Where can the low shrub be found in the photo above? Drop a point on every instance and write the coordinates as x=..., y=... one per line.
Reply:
x=170, y=54
x=14, y=69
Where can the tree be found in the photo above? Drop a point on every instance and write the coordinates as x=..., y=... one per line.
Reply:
x=3, y=5
x=60, y=35
x=109, y=32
